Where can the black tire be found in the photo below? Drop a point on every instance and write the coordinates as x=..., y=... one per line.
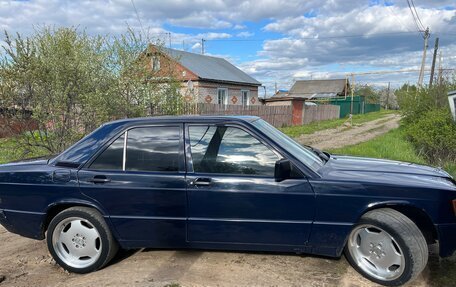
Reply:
x=108, y=246
x=406, y=235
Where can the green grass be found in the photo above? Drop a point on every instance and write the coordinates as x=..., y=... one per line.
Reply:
x=296, y=131
x=392, y=145
x=10, y=152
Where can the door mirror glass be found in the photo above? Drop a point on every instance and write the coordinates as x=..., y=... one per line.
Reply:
x=283, y=170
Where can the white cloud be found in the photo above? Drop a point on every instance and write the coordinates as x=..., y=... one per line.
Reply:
x=239, y=27
x=213, y=36
x=311, y=38
x=245, y=34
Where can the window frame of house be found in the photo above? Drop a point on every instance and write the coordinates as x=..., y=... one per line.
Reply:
x=245, y=101
x=156, y=65
x=225, y=98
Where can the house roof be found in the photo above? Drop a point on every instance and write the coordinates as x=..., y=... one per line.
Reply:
x=211, y=68
x=311, y=89
x=334, y=86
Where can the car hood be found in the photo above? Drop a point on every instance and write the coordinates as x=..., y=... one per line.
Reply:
x=383, y=171
x=362, y=164
x=25, y=162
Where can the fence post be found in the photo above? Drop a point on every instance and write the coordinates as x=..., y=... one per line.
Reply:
x=297, y=112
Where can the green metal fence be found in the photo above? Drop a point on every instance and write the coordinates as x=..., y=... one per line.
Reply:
x=359, y=105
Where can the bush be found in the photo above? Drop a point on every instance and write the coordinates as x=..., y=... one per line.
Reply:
x=427, y=121
x=434, y=135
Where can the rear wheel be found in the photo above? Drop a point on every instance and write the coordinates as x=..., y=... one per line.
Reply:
x=387, y=247
x=80, y=241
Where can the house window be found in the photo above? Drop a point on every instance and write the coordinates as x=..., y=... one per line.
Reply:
x=245, y=97
x=222, y=96
x=155, y=63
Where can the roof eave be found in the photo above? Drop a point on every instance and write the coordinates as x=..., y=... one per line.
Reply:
x=230, y=82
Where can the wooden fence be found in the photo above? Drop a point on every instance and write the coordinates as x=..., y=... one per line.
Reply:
x=320, y=113
x=9, y=127
x=278, y=116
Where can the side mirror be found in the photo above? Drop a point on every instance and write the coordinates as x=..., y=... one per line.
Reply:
x=282, y=169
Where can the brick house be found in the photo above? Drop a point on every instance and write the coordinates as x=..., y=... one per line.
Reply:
x=205, y=79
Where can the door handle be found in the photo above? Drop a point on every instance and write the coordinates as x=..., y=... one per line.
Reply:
x=99, y=179
x=201, y=181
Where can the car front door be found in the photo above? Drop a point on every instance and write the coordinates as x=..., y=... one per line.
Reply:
x=233, y=196
x=139, y=180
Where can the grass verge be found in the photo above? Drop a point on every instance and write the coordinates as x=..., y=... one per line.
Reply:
x=391, y=145
x=9, y=151
x=296, y=131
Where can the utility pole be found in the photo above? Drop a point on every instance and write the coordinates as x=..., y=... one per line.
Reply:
x=439, y=77
x=436, y=47
x=169, y=38
x=387, y=95
x=351, y=104
x=423, y=60
x=202, y=46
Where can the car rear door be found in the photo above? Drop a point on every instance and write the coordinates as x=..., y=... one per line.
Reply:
x=233, y=196
x=139, y=179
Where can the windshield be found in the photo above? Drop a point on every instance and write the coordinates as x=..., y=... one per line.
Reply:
x=306, y=156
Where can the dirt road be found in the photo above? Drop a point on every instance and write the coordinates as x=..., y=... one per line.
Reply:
x=26, y=262
x=344, y=135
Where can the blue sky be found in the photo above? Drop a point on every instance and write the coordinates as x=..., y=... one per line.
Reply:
x=275, y=41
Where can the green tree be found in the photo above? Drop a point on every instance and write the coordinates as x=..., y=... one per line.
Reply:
x=371, y=95
x=60, y=84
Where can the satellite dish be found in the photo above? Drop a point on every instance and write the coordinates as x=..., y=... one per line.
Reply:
x=190, y=85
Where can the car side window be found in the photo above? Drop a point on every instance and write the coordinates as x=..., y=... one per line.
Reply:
x=153, y=149
x=229, y=150
x=111, y=158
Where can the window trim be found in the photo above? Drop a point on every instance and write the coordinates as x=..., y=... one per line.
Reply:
x=225, y=100
x=247, y=103
x=156, y=65
x=181, y=153
x=189, y=157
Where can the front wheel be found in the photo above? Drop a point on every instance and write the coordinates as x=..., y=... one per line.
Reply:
x=80, y=241
x=387, y=247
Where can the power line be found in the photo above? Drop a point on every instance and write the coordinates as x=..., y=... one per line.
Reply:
x=139, y=19
x=417, y=15
x=397, y=17
x=392, y=72
x=314, y=38
x=416, y=18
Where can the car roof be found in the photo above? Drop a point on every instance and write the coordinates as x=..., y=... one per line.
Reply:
x=186, y=118
x=81, y=151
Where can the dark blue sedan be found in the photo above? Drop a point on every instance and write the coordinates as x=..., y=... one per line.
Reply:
x=232, y=183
